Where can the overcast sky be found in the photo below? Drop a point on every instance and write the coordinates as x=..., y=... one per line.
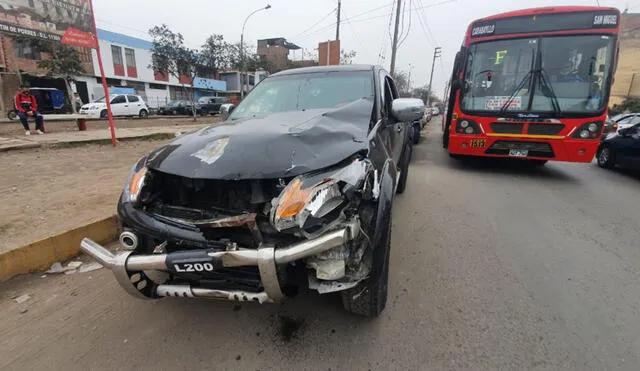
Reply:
x=365, y=26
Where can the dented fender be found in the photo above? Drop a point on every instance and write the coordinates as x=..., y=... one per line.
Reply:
x=385, y=202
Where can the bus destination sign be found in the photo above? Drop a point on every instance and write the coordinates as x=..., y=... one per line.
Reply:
x=546, y=23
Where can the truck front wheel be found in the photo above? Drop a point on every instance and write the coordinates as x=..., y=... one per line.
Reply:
x=369, y=297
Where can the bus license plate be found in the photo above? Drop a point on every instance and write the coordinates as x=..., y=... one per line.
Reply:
x=518, y=152
x=478, y=143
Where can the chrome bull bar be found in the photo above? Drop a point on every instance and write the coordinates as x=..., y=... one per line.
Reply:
x=128, y=269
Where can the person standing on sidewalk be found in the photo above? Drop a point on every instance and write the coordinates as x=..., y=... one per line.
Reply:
x=26, y=106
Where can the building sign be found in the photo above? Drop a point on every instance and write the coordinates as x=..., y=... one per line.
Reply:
x=67, y=21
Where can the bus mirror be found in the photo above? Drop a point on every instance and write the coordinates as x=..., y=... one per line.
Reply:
x=457, y=84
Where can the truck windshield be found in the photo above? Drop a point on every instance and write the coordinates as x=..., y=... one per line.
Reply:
x=300, y=92
x=559, y=74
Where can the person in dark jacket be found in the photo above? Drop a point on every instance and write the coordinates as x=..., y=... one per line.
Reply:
x=26, y=106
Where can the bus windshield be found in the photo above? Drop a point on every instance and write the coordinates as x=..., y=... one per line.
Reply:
x=552, y=74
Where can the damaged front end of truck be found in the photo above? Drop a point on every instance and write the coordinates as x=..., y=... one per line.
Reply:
x=213, y=215
x=254, y=240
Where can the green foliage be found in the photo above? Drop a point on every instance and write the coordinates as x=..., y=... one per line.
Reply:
x=630, y=105
x=170, y=55
x=423, y=94
x=64, y=59
x=346, y=57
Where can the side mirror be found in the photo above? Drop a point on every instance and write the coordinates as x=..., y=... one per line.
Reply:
x=225, y=110
x=456, y=85
x=407, y=109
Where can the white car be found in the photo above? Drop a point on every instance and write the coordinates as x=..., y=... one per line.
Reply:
x=121, y=105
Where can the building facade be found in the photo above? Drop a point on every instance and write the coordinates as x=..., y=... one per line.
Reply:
x=627, y=78
x=276, y=51
x=127, y=67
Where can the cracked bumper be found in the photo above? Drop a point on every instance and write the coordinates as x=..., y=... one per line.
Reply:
x=129, y=268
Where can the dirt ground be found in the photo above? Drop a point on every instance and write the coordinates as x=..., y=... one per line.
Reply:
x=49, y=190
x=14, y=128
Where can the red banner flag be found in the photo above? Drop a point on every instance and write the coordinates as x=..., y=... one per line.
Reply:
x=77, y=37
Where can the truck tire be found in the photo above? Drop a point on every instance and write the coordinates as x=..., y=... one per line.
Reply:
x=416, y=134
x=369, y=297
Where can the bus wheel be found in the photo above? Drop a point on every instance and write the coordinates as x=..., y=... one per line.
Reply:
x=445, y=138
x=538, y=162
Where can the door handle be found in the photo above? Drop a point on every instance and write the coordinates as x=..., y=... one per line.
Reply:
x=126, y=105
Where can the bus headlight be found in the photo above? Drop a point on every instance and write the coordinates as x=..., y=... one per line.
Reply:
x=590, y=130
x=466, y=126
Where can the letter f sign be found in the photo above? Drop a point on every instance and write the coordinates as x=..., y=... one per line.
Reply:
x=500, y=54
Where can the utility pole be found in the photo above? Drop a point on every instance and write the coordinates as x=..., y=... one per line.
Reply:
x=394, y=46
x=409, y=79
x=338, y=23
x=436, y=54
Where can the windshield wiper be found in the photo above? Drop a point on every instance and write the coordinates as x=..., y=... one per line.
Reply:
x=525, y=80
x=547, y=88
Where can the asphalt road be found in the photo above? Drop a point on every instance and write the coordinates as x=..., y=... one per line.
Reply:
x=493, y=267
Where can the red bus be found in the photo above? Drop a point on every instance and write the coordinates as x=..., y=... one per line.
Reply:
x=533, y=84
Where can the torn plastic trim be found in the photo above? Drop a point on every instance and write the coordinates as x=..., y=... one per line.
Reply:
x=326, y=287
x=323, y=193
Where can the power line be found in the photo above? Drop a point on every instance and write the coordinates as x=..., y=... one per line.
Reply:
x=343, y=20
x=123, y=27
x=353, y=30
x=315, y=24
x=425, y=24
x=351, y=19
x=403, y=38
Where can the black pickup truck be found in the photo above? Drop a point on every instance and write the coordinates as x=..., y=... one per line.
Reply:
x=211, y=105
x=293, y=191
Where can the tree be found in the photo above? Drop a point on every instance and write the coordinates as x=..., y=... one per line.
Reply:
x=422, y=93
x=217, y=53
x=402, y=83
x=627, y=105
x=64, y=62
x=171, y=56
x=346, y=57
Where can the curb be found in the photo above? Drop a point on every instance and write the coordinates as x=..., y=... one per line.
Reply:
x=78, y=143
x=39, y=255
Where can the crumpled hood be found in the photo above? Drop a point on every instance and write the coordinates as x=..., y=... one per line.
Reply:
x=278, y=145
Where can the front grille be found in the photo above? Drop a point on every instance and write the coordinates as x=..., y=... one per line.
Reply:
x=183, y=197
x=507, y=128
x=536, y=149
x=545, y=129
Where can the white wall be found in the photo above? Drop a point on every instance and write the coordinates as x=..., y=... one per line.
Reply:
x=156, y=97
x=143, y=60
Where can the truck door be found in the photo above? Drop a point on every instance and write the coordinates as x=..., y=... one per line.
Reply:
x=397, y=129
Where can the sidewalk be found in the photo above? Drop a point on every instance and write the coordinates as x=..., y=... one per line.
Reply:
x=35, y=141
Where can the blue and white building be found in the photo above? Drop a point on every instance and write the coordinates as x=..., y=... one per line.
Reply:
x=127, y=62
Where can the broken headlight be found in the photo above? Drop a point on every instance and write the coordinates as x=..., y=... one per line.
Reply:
x=135, y=181
x=313, y=201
